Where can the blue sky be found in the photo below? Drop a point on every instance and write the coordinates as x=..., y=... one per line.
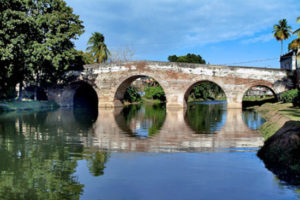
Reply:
x=231, y=32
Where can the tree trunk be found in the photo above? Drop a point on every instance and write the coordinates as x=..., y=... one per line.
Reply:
x=20, y=91
x=36, y=86
x=35, y=93
x=281, y=47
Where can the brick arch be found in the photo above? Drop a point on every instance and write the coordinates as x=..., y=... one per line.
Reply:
x=261, y=83
x=266, y=84
x=196, y=82
x=76, y=85
x=120, y=89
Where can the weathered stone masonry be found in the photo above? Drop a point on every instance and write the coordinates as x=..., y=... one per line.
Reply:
x=110, y=81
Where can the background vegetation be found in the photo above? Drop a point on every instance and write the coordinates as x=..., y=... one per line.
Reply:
x=188, y=58
x=36, y=43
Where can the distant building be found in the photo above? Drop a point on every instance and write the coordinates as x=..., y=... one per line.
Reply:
x=259, y=91
x=290, y=61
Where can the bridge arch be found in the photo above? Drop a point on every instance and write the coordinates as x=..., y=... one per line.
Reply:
x=265, y=84
x=262, y=84
x=85, y=94
x=197, y=82
x=125, y=82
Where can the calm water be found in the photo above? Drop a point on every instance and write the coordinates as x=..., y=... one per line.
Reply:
x=139, y=152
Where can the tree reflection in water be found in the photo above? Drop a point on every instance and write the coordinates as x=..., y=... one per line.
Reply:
x=39, y=154
x=206, y=118
x=142, y=121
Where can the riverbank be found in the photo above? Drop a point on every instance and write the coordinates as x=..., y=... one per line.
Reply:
x=15, y=105
x=144, y=100
x=281, y=151
x=276, y=115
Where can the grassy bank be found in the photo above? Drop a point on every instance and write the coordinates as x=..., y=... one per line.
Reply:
x=276, y=115
x=144, y=100
x=26, y=105
x=281, y=131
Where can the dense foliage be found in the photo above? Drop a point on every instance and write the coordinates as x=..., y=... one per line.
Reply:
x=296, y=101
x=155, y=92
x=188, y=58
x=36, y=42
x=289, y=96
x=132, y=94
x=206, y=91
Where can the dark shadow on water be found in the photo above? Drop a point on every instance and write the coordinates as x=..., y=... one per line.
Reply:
x=86, y=117
x=246, y=104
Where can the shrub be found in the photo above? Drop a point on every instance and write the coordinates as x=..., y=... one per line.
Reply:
x=296, y=101
x=132, y=95
x=155, y=92
x=289, y=96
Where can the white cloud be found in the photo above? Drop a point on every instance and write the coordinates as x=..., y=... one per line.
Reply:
x=261, y=38
x=159, y=25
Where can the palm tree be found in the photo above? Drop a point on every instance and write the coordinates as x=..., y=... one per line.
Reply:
x=295, y=44
x=282, y=31
x=98, y=48
x=298, y=30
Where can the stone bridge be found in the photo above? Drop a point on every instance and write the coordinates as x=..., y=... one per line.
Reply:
x=110, y=81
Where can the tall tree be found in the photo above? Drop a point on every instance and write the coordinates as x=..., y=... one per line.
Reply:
x=36, y=41
x=282, y=32
x=16, y=37
x=98, y=48
x=53, y=49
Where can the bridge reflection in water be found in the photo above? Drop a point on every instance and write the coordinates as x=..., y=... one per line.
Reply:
x=136, y=131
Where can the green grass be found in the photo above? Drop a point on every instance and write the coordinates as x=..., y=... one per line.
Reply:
x=26, y=105
x=257, y=98
x=268, y=129
x=153, y=101
x=276, y=115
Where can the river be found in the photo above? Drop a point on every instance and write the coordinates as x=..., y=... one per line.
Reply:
x=138, y=152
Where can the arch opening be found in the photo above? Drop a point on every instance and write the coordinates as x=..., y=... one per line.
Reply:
x=258, y=95
x=140, y=88
x=85, y=103
x=204, y=91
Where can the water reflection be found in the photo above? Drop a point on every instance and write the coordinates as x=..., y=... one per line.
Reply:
x=121, y=130
x=142, y=121
x=252, y=119
x=39, y=154
x=43, y=155
x=206, y=118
